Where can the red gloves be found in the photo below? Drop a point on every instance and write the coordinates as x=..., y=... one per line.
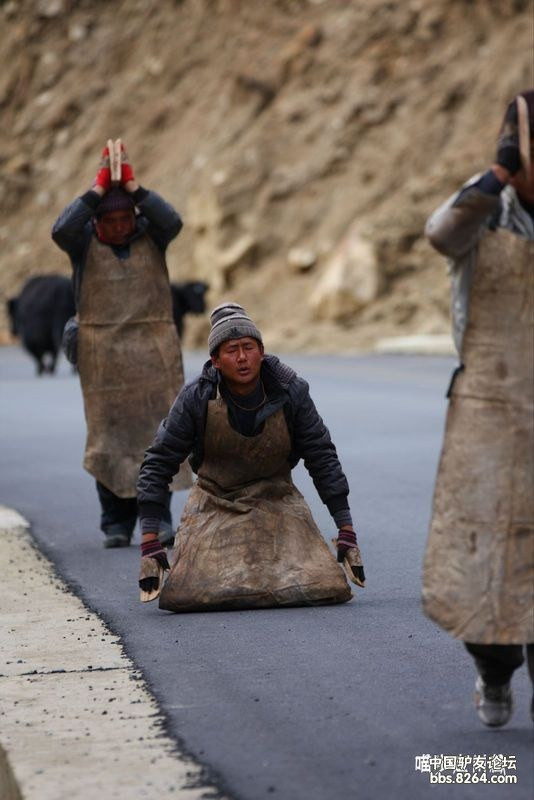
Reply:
x=126, y=167
x=103, y=176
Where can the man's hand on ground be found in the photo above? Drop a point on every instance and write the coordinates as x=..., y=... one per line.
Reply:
x=348, y=553
x=151, y=548
x=346, y=538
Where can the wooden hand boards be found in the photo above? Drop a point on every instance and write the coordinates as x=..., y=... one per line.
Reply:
x=115, y=158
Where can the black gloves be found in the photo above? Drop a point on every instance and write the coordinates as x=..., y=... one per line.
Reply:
x=153, y=562
x=346, y=539
x=508, y=154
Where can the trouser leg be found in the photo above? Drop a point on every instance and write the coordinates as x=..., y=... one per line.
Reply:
x=496, y=663
x=118, y=514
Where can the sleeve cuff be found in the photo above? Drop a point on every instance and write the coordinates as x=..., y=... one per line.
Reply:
x=139, y=195
x=338, y=507
x=150, y=524
x=342, y=518
x=488, y=183
x=150, y=510
x=91, y=199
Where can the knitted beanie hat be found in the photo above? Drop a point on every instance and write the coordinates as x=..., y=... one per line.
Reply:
x=115, y=200
x=230, y=321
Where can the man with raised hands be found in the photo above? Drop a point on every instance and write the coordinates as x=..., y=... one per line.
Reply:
x=479, y=565
x=128, y=353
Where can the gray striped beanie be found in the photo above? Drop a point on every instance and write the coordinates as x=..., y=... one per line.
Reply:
x=230, y=321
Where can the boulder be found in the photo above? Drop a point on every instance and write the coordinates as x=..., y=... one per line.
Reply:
x=350, y=281
x=50, y=8
x=301, y=259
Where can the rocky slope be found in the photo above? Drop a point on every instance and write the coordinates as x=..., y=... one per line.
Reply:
x=303, y=141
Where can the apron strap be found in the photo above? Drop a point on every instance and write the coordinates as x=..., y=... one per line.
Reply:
x=460, y=368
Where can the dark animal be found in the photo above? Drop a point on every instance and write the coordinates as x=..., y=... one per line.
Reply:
x=38, y=316
x=187, y=298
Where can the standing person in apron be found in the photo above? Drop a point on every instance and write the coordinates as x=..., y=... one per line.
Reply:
x=479, y=566
x=128, y=352
x=247, y=538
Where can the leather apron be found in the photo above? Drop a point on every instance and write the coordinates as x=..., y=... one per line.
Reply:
x=479, y=567
x=129, y=360
x=247, y=538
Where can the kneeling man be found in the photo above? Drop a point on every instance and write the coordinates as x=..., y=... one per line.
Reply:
x=247, y=538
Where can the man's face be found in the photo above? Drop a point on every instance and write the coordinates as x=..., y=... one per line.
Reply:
x=239, y=362
x=116, y=227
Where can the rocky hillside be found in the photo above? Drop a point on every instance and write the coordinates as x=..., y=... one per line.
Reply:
x=303, y=141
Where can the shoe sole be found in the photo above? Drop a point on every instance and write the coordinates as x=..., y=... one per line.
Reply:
x=116, y=541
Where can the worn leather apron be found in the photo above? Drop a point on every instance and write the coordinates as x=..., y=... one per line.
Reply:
x=247, y=538
x=129, y=361
x=479, y=565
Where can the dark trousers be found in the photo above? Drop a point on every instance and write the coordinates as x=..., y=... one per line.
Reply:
x=496, y=663
x=119, y=514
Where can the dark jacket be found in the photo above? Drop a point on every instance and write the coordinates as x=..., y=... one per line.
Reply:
x=181, y=435
x=74, y=228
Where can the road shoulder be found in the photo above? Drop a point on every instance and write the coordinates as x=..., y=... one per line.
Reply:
x=76, y=717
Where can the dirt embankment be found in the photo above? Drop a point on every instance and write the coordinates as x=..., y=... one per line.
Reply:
x=303, y=141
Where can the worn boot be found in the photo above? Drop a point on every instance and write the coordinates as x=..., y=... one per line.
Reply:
x=116, y=536
x=494, y=704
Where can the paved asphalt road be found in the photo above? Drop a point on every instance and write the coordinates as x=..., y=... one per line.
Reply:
x=298, y=704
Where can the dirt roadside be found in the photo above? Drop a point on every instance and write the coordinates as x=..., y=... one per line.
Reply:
x=277, y=130
x=77, y=718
